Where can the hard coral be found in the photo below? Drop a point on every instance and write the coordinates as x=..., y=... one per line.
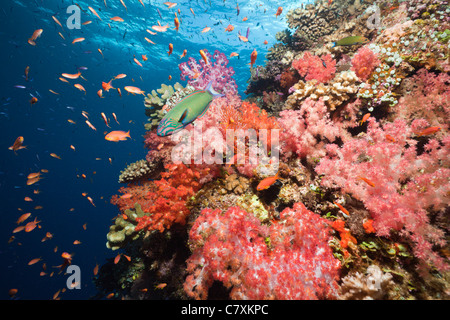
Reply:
x=398, y=186
x=317, y=68
x=290, y=259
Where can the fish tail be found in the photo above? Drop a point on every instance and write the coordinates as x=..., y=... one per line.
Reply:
x=128, y=134
x=211, y=90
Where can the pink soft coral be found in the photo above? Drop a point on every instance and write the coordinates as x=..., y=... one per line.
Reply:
x=364, y=62
x=312, y=67
x=406, y=185
x=290, y=259
x=199, y=74
x=306, y=131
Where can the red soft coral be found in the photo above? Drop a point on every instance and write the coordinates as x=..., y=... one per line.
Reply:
x=290, y=259
x=397, y=185
x=312, y=67
x=364, y=62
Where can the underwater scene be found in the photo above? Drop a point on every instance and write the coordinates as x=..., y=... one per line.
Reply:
x=223, y=149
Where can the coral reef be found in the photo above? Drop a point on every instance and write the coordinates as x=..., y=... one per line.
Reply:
x=317, y=68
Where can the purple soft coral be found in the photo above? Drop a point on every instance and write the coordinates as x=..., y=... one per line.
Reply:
x=199, y=74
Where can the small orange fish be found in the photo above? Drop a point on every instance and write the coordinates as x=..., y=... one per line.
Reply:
x=23, y=217
x=266, y=42
x=28, y=199
x=77, y=242
x=279, y=11
x=242, y=38
x=206, y=29
x=95, y=270
x=134, y=90
x=177, y=23
x=204, y=57
x=170, y=49
x=94, y=12
x=253, y=57
x=90, y=200
x=390, y=138
x=137, y=62
x=100, y=93
x=148, y=40
x=57, y=21
x=48, y=236
x=170, y=4
x=80, y=87
x=117, y=19
x=30, y=226
x=267, y=182
x=78, y=40
x=71, y=121
x=229, y=28
x=33, y=100
x=33, y=261
x=234, y=54
x=115, y=118
x=161, y=286
x=17, y=144
x=342, y=208
x=160, y=28
x=244, y=19
x=107, y=85
x=54, y=155
x=117, y=259
x=119, y=92
x=71, y=76
x=183, y=54
x=36, y=34
x=90, y=125
x=370, y=183
x=364, y=118
x=105, y=119
x=428, y=131
x=117, y=136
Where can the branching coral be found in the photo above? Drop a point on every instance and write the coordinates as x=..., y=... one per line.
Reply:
x=397, y=185
x=289, y=260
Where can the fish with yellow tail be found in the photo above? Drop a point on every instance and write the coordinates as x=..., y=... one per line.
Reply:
x=187, y=110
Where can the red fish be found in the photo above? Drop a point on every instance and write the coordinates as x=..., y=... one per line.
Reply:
x=170, y=49
x=428, y=131
x=253, y=58
x=370, y=183
x=279, y=11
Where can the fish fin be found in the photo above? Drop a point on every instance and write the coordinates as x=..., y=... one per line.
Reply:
x=211, y=91
x=183, y=116
x=128, y=134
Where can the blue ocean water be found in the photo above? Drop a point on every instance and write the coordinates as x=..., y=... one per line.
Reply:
x=46, y=129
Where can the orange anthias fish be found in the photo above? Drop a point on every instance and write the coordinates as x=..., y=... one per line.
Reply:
x=170, y=49
x=428, y=131
x=253, y=58
x=80, y=87
x=115, y=118
x=107, y=85
x=36, y=34
x=144, y=57
x=234, y=54
x=279, y=11
x=170, y=4
x=105, y=119
x=120, y=76
x=137, y=62
x=177, y=23
x=94, y=12
x=242, y=38
x=17, y=144
x=117, y=136
x=30, y=226
x=267, y=182
x=364, y=118
x=148, y=40
x=33, y=100
x=78, y=40
x=183, y=54
x=71, y=76
x=134, y=90
x=206, y=29
x=370, y=183
x=203, y=55
x=90, y=125
x=342, y=208
x=117, y=19
x=160, y=28
x=229, y=28
x=54, y=155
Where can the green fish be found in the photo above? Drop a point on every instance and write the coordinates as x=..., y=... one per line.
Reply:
x=187, y=110
x=350, y=41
